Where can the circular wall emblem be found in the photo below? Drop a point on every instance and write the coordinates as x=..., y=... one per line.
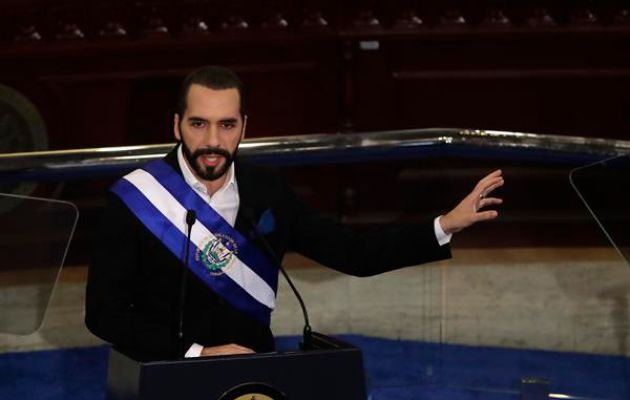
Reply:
x=253, y=391
x=215, y=253
x=21, y=129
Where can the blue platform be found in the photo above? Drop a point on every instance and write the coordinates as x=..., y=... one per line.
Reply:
x=396, y=370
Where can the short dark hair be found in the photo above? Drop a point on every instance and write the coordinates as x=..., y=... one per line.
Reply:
x=213, y=77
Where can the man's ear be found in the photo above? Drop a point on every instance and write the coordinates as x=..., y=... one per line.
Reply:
x=176, y=132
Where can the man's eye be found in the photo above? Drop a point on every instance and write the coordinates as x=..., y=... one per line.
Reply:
x=196, y=124
x=228, y=125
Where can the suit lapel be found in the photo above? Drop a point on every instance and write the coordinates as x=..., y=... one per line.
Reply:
x=254, y=204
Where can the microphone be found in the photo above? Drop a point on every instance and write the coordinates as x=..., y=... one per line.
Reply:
x=191, y=217
x=307, y=336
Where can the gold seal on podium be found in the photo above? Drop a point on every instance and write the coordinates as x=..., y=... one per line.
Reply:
x=253, y=391
x=254, y=396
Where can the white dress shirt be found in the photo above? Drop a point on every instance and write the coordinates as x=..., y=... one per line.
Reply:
x=224, y=201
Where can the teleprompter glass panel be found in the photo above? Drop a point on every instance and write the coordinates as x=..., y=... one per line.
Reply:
x=34, y=239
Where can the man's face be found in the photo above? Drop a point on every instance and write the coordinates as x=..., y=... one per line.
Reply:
x=210, y=130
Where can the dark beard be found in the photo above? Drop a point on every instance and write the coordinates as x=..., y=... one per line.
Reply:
x=208, y=173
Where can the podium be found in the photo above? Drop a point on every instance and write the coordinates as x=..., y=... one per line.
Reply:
x=332, y=370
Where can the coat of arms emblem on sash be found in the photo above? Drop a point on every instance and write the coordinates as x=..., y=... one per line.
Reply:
x=216, y=252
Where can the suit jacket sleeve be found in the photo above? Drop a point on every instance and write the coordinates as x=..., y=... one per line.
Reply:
x=359, y=252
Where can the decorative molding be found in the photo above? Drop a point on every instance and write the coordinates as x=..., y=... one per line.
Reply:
x=452, y=19
x=366, y=19
x=112, y=29
x=496, y=18
x=315, y=20
x=235, y=23
x=27, y=34
x=275, y=22
x=540, y=18
x=98, y=20
x=583, y=17
x=70, y=31
x=408, y=20
x=512, y=74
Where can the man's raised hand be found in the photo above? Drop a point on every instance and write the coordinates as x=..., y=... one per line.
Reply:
x=470, y=210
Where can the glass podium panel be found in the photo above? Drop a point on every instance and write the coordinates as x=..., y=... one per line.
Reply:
x=34, y=240
x=604, y=187
x=533, y=305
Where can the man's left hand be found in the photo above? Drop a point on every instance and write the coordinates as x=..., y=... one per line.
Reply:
x=467, y=212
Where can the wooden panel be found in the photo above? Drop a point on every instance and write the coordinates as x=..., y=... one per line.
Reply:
x=571, y=82
x=106, y=72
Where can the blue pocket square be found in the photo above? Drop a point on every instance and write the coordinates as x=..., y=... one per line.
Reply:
x=266, y=223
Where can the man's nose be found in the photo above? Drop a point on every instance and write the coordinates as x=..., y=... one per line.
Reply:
x=211, y=138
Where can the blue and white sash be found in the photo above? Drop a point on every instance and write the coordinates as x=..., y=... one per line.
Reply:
x=224, y=259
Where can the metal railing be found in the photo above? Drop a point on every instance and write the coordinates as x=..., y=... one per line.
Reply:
x=323, y=148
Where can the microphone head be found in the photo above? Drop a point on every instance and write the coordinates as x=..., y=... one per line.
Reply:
x=191, y=217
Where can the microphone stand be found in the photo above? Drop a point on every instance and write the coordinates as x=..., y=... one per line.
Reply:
x=191, y=217
x=307, y=335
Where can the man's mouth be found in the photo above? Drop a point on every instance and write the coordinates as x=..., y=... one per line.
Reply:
x=211, y=160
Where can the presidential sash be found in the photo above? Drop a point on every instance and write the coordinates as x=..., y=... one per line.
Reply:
x=224, y=259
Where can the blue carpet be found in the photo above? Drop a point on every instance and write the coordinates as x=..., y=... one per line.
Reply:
x=494, y=371
x=396, y=370
x=75, y=374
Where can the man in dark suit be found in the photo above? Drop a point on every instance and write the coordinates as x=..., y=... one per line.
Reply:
x=133, y=284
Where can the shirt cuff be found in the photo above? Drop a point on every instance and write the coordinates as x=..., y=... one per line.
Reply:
x=194, y=351
x=441, y=236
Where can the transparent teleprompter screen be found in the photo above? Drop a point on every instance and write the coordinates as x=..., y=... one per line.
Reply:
x=34, y=237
